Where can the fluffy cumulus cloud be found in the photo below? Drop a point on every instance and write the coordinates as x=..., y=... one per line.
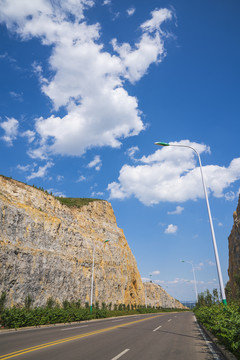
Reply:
x=171, y=229
x=86, y=80
x=149, y=49
x=10, y=128
x=172, y=174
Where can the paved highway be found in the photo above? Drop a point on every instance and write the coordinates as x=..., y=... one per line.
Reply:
x=164, y=336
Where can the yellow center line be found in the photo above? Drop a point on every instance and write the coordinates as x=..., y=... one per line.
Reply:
x=53, y=343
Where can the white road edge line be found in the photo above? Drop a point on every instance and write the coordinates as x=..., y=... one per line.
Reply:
x=121, y=354
x=215, y=356
x=76, y=327
x=157, y=328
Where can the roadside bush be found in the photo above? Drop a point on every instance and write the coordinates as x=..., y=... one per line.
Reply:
x=2, y=301
x=21, y=317
x=224, y=323
x=70, y=311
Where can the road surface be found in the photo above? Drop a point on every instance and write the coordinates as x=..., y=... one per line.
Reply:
x=163, y=336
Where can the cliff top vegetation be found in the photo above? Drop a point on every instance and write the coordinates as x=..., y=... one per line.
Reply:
x=76, y=202
x=70, y=202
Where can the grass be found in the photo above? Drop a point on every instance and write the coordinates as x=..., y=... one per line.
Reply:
x=76, y=202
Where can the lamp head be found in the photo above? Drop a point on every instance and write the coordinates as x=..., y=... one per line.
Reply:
x=161, y=143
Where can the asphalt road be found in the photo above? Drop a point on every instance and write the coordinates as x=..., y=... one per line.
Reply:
x=165, y=336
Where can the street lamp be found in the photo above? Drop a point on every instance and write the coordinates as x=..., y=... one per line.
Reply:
x=210, y=218
x=194, y=277
x=91, y=299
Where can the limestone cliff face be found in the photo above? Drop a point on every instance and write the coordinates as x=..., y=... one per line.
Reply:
x=234, y=251
x=156, y=296
x=47, y=250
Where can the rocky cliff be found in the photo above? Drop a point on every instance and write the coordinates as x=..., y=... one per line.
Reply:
x=47, y=250
x=234, y=253
x=156, y=296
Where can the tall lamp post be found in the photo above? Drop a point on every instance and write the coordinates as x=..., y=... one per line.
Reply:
x=210, y=218
x=194, y=277
x=91, y=298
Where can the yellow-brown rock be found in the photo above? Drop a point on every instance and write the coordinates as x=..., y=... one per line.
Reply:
x=47, y=250
x=156, y=296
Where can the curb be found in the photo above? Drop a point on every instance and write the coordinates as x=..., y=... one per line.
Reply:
x=228, y=355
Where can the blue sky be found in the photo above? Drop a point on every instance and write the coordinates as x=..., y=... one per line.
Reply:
x=88, y=86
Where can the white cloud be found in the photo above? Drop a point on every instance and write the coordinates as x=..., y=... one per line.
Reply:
x=60, y=177
x=131, y=11
x=37, y=69
x=150, y=48
x=172, y=174
x=81, y=178
x=30, y=135
x=132, y=151
x=230, y=195
x=41, y=172
x=17, y=96
x=97, y=193
x=158, y=17
x=220, y=224
x=210, y=263
x=86, y=80
x=3, y=56
x=10, y=126
x=199, y=266
x=171, y=229
x=178, y=281
x=155, y=272
x=56, y=193
x=179, y=210
x=95, y=163
x=24, y=168
x=159, y=282
x=39, y=153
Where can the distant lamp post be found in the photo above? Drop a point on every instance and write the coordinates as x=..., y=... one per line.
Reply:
x=194, y=277
x=91, y=299
x=210, y=218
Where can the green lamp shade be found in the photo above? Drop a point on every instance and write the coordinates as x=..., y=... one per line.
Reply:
x=161, y=143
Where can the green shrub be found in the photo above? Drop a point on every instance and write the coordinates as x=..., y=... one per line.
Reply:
x=87, y=305
x=50, y=303
x=2, y=301
x=224, y=323
x=28, y=302
x=52, y=313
